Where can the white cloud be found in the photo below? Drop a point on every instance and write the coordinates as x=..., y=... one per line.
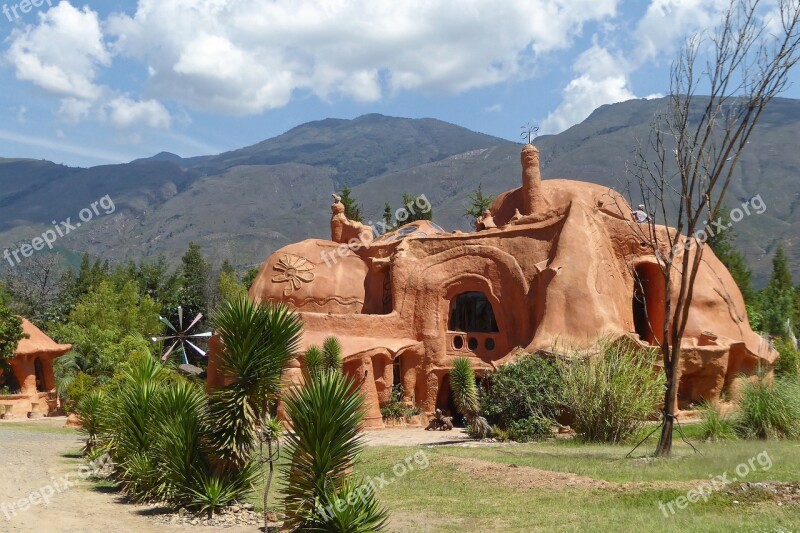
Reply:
x=603, y=72
x=62, y=53
x=601, y=80
x=245, y=56
x=74, y=110
x=494, y=108
x=124, y=113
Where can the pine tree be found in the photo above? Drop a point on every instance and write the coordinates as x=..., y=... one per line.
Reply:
x=415, y=213
x=388, y=217
x=351, y=208
x=478, y=203
x=194, y=275
x=777, y=299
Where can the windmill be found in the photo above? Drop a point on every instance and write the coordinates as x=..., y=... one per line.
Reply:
x=181, y=336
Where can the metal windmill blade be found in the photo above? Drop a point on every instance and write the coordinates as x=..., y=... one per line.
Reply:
x=181, y=337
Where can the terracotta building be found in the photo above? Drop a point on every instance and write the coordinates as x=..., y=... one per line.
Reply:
x=33, y=378
x=551, y=263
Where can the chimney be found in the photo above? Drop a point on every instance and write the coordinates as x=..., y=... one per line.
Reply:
x=533, y=200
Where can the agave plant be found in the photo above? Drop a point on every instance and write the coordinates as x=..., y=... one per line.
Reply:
x=465, y=396
x=326, y=416
x=258, y=342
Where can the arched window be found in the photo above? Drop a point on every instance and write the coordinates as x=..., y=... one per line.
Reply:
x=472, y=312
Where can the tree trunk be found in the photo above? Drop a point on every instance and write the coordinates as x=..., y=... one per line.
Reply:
x=664, y=448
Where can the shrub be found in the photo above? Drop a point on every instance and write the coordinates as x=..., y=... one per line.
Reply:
x=612, y=393
x=788, y=364
x=326, y=415
x=397, y=409
x=531, y=428
x=527, y=387
x=79, y=386
x=714, y=426
x=769, y=411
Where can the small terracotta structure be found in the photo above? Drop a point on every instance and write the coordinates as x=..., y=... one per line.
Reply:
x=553, y=263
x=33, y=369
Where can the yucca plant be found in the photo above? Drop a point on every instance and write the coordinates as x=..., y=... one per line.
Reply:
x=363, y=515
x=258, y=342
x=90, y=416
x=180, y=416
x=215, y=491
x=465, y=396
x=332, y=354
x=714, y=426
x=326, y=416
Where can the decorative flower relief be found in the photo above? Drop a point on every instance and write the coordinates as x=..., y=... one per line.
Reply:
x=295, y=271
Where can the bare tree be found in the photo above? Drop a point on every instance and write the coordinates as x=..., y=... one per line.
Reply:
x=720, y=85
x=34, y=285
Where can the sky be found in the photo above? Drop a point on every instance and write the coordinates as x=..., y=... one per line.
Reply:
x=103, y=82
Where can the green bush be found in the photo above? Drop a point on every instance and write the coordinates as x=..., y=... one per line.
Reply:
x=769, y=411
x=531, y=428
x=397, y=409
x=788, y=364
x=79, y=386
x=714, y=426
x=525, y=388
x=613, y=392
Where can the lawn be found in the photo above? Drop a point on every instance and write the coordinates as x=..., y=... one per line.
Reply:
x=568, y=486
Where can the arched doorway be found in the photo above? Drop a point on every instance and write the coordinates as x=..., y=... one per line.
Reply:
x=39, y=370
x=648, y=302
x=444, y=401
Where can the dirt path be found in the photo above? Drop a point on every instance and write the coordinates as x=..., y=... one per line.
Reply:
x=36, y=461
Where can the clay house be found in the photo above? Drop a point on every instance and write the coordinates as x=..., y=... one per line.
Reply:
x=31, y=382
x=553, y=261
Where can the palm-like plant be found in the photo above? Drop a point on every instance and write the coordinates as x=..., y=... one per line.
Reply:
x=465, y=396
x=258, y=342
x=326, y=417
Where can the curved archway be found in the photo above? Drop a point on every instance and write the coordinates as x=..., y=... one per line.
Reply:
x=472, y=312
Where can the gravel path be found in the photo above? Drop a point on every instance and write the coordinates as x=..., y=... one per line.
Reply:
x=38, y=459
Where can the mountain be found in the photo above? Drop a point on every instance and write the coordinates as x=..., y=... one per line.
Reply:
x=244, y=204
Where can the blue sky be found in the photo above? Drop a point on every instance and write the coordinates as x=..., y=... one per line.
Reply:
x=106, y=82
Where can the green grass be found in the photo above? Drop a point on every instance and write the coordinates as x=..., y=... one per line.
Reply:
x=441, y=498
x=36, y=427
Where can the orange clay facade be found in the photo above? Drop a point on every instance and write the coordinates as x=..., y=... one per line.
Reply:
x=32, y=366
x=553, y=263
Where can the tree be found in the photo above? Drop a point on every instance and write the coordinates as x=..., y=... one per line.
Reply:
x=478, y=203
x=778, y=296
x=351, y=208
x=194, y=279
x=10, y=332
x=415, y=213
x=721, y=243
x=35, y=286
x=107, y=326
x=684, y=170
x=250, y=277
x=228, y=287
x=388, y=217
